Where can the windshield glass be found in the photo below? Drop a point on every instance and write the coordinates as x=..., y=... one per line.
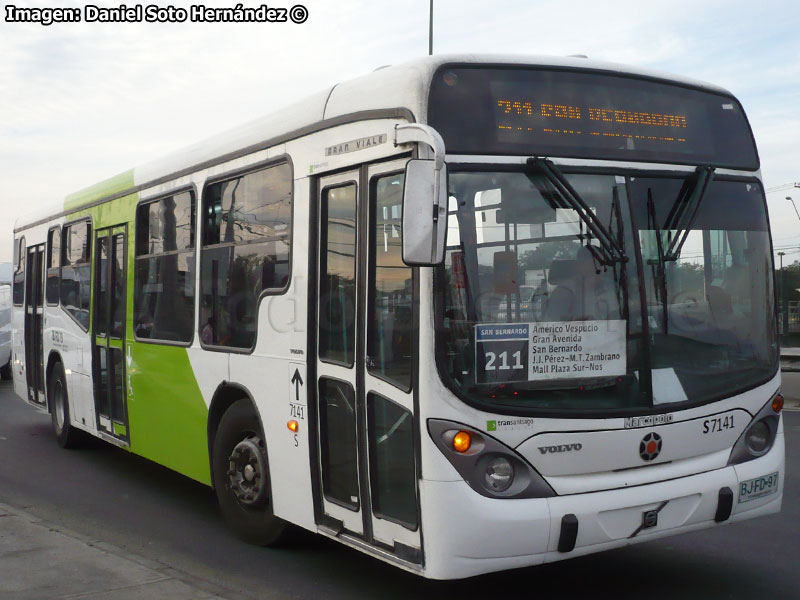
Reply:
x=711, y=309
x=534, y=311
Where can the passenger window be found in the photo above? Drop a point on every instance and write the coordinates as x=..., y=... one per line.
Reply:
x=246, y=240
x=164, y=269
x=53, y=265
x=76, y=271
x=19, y=273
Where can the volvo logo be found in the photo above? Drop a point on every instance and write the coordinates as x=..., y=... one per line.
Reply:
x=650, y=446
x=560, y=448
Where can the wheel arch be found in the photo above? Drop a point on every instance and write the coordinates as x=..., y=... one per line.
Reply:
x=225, y=395
x=52, y=360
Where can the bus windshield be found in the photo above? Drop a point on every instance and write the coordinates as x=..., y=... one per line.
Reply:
x=535, y=313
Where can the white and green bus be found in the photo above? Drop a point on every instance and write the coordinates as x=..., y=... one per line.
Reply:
x=463, y=314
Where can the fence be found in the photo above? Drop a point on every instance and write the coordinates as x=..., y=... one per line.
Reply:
x=792, y=325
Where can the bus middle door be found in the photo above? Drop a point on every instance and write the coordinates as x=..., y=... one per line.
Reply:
x=108, y=333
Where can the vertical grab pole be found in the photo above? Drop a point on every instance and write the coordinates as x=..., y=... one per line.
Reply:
x=430, y=31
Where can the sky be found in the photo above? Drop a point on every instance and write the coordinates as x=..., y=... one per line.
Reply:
x=80, y=102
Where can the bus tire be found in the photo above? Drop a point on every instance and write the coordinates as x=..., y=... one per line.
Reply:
x=66, y=435
x=241, y=477
x=5, y=371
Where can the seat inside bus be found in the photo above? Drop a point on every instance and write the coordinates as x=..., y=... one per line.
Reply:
x=584, y=290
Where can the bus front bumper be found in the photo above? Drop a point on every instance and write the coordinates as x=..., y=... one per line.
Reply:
x=468, y=534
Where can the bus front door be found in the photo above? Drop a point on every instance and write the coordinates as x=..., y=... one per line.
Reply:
x=34, y=324
x=366, y=312
x=108, y=333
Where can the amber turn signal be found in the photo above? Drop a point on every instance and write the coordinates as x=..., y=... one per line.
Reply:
x=462, y=441
x=293, y=426
x=777, y=403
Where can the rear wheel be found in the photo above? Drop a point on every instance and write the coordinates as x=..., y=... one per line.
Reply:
x=241, y=476
x=5, y=370
x=66, y=435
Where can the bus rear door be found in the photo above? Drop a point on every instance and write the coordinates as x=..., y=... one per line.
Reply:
x=34, y=324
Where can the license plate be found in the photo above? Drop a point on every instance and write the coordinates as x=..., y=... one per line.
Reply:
x=758, y=487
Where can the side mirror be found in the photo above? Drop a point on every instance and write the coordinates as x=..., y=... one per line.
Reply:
x=424, y=213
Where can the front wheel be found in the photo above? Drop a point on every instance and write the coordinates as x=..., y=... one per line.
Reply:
x=66, y=435
x=241, y=476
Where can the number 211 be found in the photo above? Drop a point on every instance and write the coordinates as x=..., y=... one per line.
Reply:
x=491, y=357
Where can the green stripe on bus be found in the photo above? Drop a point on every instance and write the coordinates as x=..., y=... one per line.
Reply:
x=109, y=187
x=166, y=412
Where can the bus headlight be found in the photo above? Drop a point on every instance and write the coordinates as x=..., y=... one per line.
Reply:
x=760, y=434
x=758, y=437
x=499, y=474
x=487, y=465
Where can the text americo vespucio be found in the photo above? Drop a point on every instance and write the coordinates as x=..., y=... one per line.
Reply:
x=153, y=13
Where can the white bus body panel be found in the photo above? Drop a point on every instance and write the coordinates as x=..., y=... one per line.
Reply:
x=280, y=352
x=504, y=534
x=18, y=351
x=74, y=346
x=281, y=344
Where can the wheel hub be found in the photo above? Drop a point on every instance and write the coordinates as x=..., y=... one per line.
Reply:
x=246, y=472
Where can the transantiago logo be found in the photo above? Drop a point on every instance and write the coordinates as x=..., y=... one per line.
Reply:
x=508, y=424
x=560, y=448
x=650, y=446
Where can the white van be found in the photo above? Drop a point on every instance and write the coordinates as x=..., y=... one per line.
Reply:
x=5, y=321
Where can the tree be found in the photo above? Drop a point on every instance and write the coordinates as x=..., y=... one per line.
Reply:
x=545, y=253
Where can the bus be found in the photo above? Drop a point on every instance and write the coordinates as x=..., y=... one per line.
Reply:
x=463, y=314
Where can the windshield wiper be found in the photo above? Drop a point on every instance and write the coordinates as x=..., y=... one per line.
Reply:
x=684, y=212
x=610, y=250
x=657, y=266
x=681, y=217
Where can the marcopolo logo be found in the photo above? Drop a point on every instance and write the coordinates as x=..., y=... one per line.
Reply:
x=648, y=421
x=560, y=448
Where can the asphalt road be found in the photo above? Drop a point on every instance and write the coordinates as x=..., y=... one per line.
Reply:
x=105, y=493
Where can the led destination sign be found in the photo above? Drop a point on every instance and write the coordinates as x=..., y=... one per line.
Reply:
x=642, y=122
x=519, y=117
x=579, y=114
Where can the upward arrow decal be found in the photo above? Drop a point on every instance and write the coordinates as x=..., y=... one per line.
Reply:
x=297, y=380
